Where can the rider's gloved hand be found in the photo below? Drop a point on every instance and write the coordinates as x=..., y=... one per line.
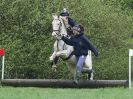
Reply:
x=97, y=54
x=63, y=35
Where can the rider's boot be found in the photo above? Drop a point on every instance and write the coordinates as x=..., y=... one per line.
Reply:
x=77, y=77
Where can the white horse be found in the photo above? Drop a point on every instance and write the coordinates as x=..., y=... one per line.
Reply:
x=61, y=49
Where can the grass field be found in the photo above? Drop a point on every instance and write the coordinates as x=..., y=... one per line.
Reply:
x=60, y=93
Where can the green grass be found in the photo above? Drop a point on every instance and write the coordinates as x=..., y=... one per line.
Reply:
x=59, y=93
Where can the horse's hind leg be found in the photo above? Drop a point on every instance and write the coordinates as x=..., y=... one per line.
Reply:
x=88, y=67
x=89, y=73
x=54, y=60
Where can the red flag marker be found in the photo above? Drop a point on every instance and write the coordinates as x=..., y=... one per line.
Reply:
x=2, y=52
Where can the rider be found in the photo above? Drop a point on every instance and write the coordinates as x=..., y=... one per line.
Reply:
x=69, y=22
x=81, y=46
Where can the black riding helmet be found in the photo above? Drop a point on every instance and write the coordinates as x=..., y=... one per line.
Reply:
x=64, y=12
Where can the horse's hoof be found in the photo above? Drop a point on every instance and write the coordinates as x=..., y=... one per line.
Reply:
x=91, y=78
x=54, y=68
x=50, y=59
x=76, y=82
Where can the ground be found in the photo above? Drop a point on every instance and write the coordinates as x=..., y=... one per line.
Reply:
x=60, y=93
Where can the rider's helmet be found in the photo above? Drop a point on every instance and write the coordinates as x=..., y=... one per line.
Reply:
x=64, y=12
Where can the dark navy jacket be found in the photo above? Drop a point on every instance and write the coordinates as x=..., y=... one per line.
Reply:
x=71, y=22
x=81, y=45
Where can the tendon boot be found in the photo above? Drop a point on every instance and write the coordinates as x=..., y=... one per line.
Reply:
x=90, y=74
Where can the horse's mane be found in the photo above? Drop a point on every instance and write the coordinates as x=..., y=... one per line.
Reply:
x=55, y=16
x=63, y=24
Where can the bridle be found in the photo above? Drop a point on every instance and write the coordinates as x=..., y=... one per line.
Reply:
x=59, y=34
x=58, y=31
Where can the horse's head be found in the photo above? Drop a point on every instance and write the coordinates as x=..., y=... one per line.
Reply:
x=58, y=27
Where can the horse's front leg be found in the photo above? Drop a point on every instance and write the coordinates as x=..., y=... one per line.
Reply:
x=53, y=58
x=62, y=53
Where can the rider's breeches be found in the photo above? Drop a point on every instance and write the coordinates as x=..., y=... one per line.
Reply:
x=80, y=63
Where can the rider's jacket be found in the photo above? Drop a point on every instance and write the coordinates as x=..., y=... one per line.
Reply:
x=69, y=25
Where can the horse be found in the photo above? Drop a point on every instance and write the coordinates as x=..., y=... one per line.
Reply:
x=61, y=49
